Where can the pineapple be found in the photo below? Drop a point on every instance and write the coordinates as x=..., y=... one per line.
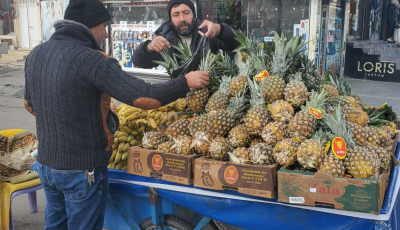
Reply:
x=220, y=99
x=360, y=102
x=285, y=151
x=198, y=124
x=281, y=111
x=274, y=85
x=296, y=92
x=356, y=115
x=390, y=128
x=151, y=140
x=344, y=89
x=240, y=156
x=380, y=137
x=261, y=154
x=361, y=135
x=201, y=142
x=239, y=136
x=274, y=132
x=331, y=90
x=197, y=98
x=225, y=66
x=257, y=116
x=332, y=165
x=238, y=84
x=359, y=161
x=182, y=145
x=221, y=121
x=311, y=152
x=219, y=149
x=384, y=156
x=178, y=128
x=304, y=124
x=167, y=147
x=311, y=78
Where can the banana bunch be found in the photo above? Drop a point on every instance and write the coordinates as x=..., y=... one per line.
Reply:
x=122, y=142
x=167, y=114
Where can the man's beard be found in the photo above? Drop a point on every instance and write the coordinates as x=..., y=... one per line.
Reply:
x=184, y=32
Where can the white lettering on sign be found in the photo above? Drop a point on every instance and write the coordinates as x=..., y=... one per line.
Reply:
x=376, y=68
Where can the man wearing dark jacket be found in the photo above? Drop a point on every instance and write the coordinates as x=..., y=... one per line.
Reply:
x=69, y=81
x=183, y=26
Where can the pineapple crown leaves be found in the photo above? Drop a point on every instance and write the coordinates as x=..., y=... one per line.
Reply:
x=169, y=63
x=343, y=87
x=224, y=84
x=225, y=66
x=178, y=144
x=207, y=63
x=244, y=69
x=337, y=125
x=376, y=117
x=307, y=65
x=238, y=105
x=256, y=89
x=257, y=63
x=317, y=101
x=322, y=136
x=296, y=77
x=248, y=44
x=280, y=62
x=185, y=53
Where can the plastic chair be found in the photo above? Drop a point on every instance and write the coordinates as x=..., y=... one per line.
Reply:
x=8, y=191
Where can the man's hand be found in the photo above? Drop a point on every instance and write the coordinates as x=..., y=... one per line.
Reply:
x=158, y=44
x=197, y=79
x=212, y=29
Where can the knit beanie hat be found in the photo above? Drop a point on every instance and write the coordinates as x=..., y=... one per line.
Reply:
x=186, y=2
x=90, y=13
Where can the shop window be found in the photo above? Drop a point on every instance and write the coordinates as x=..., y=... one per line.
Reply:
x=225, y=11
x=6, y=17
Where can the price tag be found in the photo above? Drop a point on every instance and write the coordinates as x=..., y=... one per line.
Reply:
x=262, y=75
x=316, y=112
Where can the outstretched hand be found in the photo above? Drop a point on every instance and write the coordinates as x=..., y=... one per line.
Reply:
x=197, y=79
x=212, y=29
x=158, y=44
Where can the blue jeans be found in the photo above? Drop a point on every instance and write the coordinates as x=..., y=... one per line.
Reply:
x=71, y=202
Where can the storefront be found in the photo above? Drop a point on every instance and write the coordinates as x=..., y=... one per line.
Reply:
x=372, y=48
x=321, y=22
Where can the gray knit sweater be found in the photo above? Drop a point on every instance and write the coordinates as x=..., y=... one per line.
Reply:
x=68, y=83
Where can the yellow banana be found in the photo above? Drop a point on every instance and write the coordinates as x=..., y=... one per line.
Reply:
x=130, y=138
x=124, y=156
x=116, y=140
x=170, y=115
x=118, y=157
x=121, y=146
x=109, y=165
x=131, y=110
x=120, y=134
x=141, y=129
x=133, y=142
x=124, y=168
x=137, y=115
x=115, y=145
x=113, y=165
x=119, y=165
x=126, y=147
x=112, y=158
x=120, y=109
x=152, y=122
x=123, y=139
x=163, y=108
x=127, y=129
x=134, y=133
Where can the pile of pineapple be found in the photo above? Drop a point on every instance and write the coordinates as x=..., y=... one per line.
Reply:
x=288, y=118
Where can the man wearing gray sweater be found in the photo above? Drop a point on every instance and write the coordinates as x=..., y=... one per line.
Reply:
x=69, y=81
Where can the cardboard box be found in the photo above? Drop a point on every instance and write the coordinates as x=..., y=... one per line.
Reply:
x=255, y=180
x=303, y=188
x=167, y=166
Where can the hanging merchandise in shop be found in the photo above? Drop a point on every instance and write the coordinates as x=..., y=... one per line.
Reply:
x=131, y=24
x=51, y=11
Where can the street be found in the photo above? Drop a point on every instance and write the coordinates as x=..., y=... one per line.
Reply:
x=13, y=115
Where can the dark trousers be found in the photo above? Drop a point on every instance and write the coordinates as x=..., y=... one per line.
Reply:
x=390, y=28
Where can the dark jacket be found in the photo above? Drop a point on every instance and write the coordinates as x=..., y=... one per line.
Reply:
x=68, y=81
x=225, y=40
